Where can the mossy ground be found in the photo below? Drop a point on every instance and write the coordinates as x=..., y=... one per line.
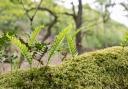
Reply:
x=103, y=69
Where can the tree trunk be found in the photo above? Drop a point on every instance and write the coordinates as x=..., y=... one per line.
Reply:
x=77, y=17
x=78, y=22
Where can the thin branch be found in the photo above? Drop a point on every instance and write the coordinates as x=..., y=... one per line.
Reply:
x=73, y=9
x=72, y=14
x=51, y=24
x=125, y=6
x=27, y=12
x=37, y=9
x=43, y=9
x=69, y=14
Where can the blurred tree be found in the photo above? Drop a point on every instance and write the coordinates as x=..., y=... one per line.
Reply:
x=125, y=6
x=10, y=19
x=105, y=14
x=49, y=7
x=77, y=17
x=17, y=16
x=95, y=37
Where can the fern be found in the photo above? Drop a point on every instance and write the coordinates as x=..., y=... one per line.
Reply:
x=75, y=33
x=71, y=45
x=71, y=42
x=34, y=34
x=24, y=50
x=58, y=41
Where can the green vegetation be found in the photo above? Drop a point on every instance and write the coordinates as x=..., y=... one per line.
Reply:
x=97, y=34
x=63, y=35
x=93, y=33
x=29, y=49
x=103, y=69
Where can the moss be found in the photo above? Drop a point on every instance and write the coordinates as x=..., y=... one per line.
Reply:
x=103, y=69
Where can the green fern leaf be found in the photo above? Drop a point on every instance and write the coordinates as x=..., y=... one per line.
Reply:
x=75, y=33
x=34, y=35
x=71, y=45
x=57, y=42
x=23, y=49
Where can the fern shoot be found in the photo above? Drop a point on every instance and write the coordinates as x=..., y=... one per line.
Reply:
x=71, y=45
x=24, y=50
x=34, y=34
x=58, y=41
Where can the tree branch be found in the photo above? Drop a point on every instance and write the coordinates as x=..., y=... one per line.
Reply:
x=125, y=6
x=51, y=24
x=27, y=12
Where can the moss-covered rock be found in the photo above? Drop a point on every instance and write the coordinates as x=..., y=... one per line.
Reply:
x=103, y=69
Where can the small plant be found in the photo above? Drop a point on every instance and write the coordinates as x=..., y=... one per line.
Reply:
x=23, y=48
x=59, y=38
x=5, y=56
x=71, y=43
x=14, y=61
x=32, y=47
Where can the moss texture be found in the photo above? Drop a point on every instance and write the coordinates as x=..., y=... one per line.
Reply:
x=103, y=69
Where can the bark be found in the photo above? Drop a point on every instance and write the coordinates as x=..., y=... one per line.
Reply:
x=78, y=22
x=77, y=17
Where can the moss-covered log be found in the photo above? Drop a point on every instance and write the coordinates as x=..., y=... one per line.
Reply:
x=103, y=69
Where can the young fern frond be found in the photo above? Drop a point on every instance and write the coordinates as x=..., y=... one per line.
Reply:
x=71, y=45
x=71, y=42
x=75, y=33
x=34, y=34
x=58, y=41
x=24, y=50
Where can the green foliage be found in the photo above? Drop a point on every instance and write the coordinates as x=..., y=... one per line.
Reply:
x=32, y=47
x=5, y=56
x=23, y=48
x=2, y=56
x=96, y=34
x=11, y=15
x=58, y=41
x=71, y=43
x=14, y=61
x=34, y=34
x=13, y=18
x=41, y=47
x=3, y=41
x=103, y=69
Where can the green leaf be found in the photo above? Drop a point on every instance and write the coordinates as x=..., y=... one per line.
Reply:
x=23, y=49
x=34, y=34
x=71, y=45
x=75, y=33
x=58, y=41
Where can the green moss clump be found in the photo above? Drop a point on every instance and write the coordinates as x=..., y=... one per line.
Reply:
x=103, y=69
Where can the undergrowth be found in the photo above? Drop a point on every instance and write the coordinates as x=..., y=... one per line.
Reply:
x=32, y=47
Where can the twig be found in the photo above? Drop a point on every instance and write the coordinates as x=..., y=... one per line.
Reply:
x=31, y=18
x=51, y=24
